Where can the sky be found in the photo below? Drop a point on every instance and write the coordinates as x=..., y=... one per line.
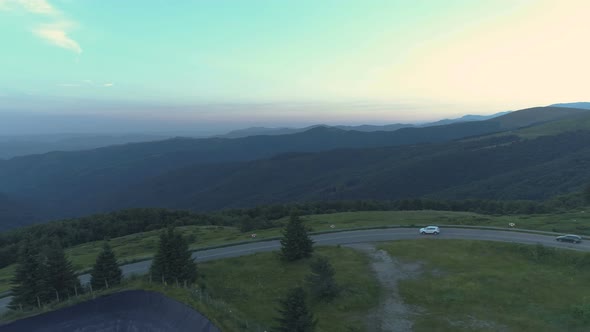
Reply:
x=205, y=64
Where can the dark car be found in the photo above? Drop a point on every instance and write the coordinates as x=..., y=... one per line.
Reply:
x=569, y=238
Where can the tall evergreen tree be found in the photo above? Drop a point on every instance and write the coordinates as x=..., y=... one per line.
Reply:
x=106, y=272
x=160, y=268
x=173, y=261
x=60, y=279
x=321, y=281
x=296, y=243
x=28, y=288
x=185, y=268
x=294, y=314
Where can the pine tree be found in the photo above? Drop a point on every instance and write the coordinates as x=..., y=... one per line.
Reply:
x=60, y=279
x=173, y=261
x=28, y=288
x=160, y=268
x=106, y=272
x=296, y=243
x=294, y=314
x=185, y=268
x=321, y=281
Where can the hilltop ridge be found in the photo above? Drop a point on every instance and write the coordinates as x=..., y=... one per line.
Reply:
x=321, y=163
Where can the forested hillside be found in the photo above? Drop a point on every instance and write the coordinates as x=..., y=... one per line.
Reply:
x=496, y=168
x=319, y=164
x=14, y=212
x=125, y=164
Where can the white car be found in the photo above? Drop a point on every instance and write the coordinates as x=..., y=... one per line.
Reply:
x=430, y=230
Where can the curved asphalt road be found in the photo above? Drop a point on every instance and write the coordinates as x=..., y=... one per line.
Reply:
x=349, y=237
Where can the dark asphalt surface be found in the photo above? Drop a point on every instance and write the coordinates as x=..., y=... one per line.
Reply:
x=127, y=311
x=360, y=236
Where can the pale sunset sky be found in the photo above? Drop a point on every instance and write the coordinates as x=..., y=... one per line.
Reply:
x=237, y=63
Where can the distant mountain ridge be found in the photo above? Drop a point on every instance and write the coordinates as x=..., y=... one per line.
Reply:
x=254, y=131
x=465, y=118
x=258, y=131
x=582, y=105
x=12, y=146
x=305, y=165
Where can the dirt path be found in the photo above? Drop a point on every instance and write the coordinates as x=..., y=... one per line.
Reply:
x=392, y=314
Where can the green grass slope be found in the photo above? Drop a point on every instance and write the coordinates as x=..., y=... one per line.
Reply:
x=262, y=279
x=485, y=286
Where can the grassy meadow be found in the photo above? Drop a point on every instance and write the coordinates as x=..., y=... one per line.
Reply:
x=254, y=284
x=488, y=286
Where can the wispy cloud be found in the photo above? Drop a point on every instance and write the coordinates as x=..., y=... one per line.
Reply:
x=57, y=32
x=38, y=7
x=56, y=35
x=87, y=83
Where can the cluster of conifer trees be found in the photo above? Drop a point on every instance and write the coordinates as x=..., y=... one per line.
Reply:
x=173, y=262
x=44, y=274
x=294, y=313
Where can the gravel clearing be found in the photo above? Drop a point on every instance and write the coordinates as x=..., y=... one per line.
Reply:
x=392, y=314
